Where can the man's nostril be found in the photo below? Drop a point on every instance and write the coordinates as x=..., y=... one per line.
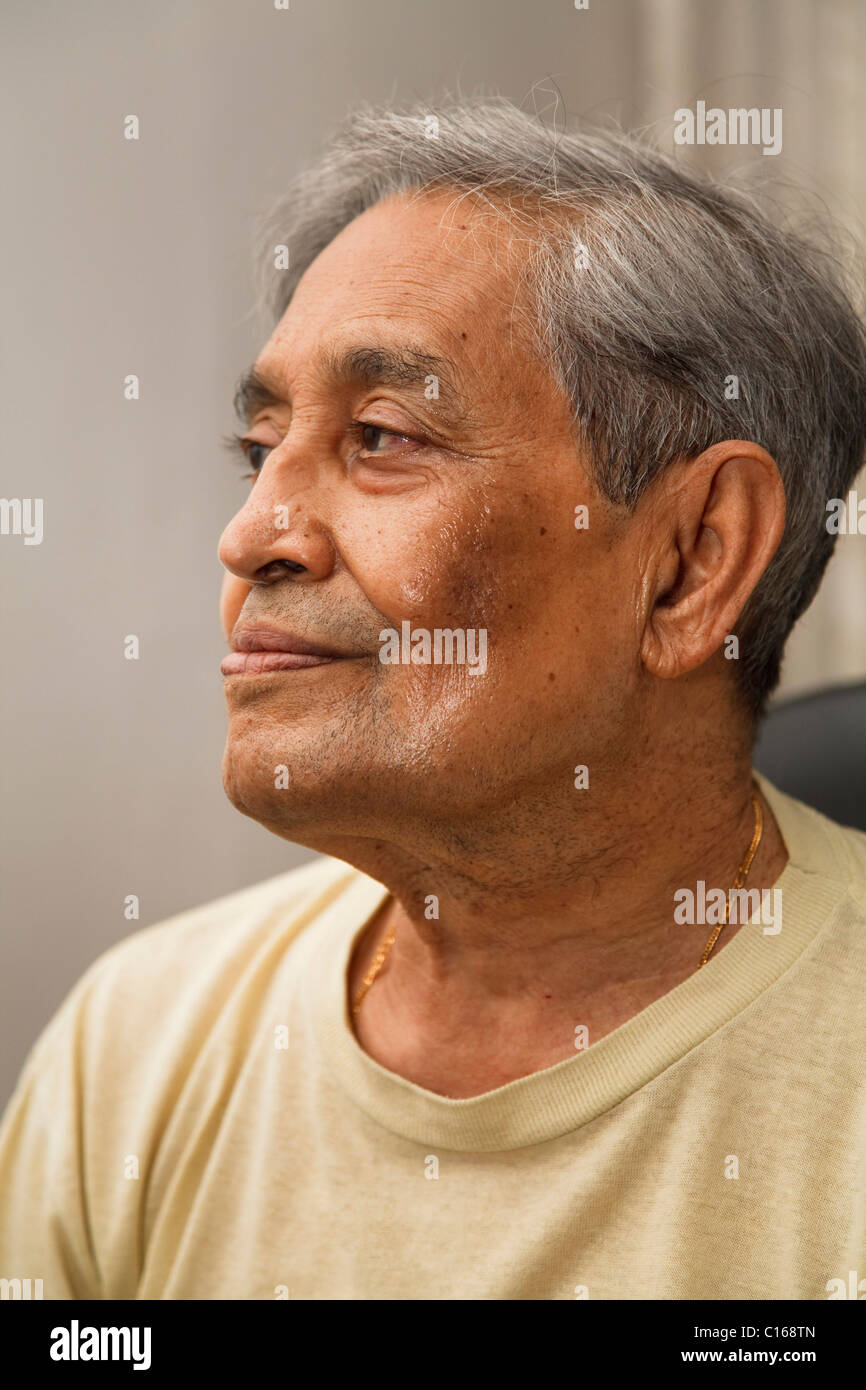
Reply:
x=275, y=569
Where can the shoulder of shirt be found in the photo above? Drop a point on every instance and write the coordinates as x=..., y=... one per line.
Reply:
x=819, y=845
x=183, y=969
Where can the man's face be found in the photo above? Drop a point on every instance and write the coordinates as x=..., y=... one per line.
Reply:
x=378, y=503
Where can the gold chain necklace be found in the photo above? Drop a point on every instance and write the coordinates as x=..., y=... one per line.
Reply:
x=742, y=873
x=378, y=961
x=382, y=954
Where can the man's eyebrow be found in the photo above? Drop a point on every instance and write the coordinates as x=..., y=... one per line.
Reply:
x=386, y=366
x=405, y=366
x=253, y=394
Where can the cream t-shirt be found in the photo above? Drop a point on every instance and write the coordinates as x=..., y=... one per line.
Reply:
x=198, y=1121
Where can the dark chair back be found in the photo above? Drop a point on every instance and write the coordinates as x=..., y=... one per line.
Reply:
x=814, y=748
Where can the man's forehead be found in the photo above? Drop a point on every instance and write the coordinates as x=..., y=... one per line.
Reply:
x=423, y=256
x=381, y=306
x=448, y=224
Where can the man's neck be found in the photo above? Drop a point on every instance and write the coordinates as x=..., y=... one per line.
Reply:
x=487, y=981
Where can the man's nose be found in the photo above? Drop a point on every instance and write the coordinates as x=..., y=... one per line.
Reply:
x=275, y=534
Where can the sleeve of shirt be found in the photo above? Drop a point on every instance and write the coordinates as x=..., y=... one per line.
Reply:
x=83, y=1165
x=44, y=1224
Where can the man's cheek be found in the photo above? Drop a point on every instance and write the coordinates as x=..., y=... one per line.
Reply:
x=406, y=580
x=449, y=575
x=232, y=598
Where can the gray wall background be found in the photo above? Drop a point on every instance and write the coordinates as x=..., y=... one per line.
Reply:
x=125, y=257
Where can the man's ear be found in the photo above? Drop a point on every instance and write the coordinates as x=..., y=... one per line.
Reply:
x=719, y=519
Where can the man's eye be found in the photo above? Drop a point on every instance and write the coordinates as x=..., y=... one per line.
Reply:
x=254, y=457
x=247, y=452
x=376, y=442
x=373, y=437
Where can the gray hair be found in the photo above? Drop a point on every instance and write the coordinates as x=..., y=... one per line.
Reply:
x=651, y=287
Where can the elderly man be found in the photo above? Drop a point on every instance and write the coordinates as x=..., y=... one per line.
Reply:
x=570, y=1004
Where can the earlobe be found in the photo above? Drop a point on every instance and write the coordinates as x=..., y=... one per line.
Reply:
x=677, y=637
x=656, y=654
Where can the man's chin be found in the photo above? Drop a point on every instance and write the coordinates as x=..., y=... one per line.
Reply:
x=307, y=804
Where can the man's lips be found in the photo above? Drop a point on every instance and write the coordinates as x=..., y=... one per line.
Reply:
x=256, y=663
x=258, y=650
